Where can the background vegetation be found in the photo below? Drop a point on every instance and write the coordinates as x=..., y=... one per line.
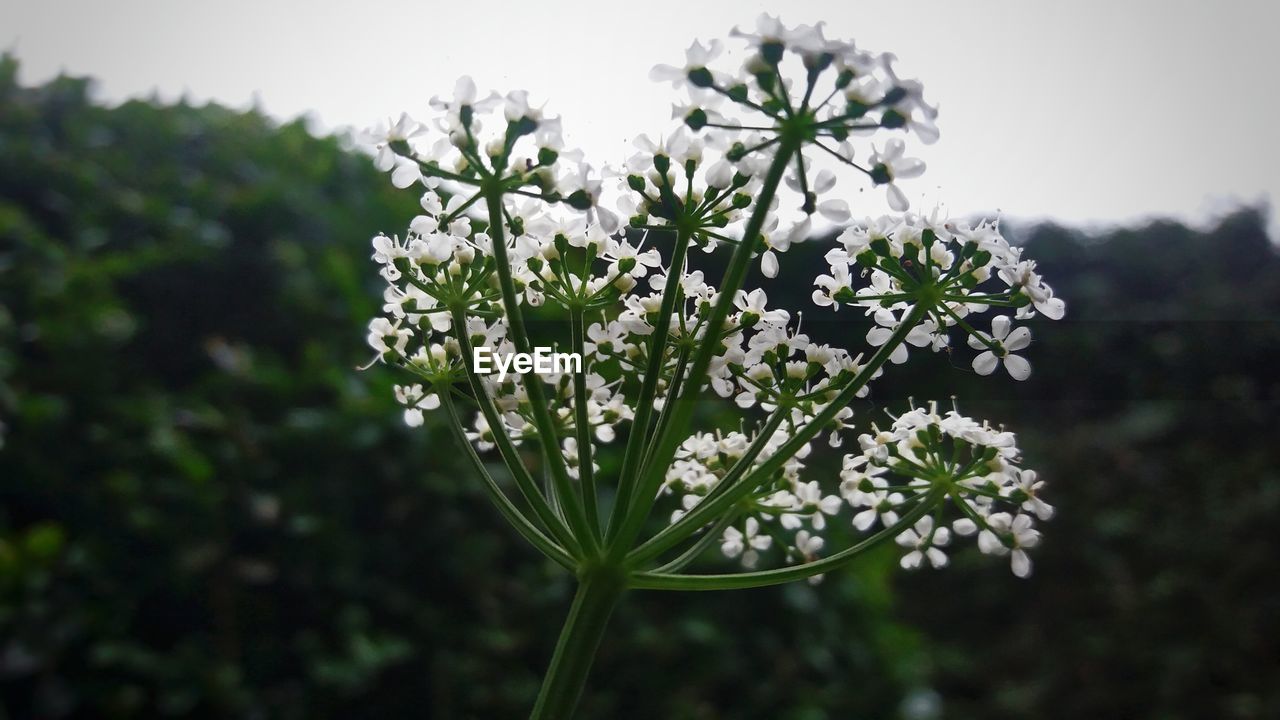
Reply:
x=206, y=512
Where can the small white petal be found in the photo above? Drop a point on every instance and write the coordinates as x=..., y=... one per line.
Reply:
x=864, y=519
x=908, y=168
x=1021, y=564
x=1053, y=308
x=824, y=181
x=386, y=159
x=1000, y=325
x=988, y=543
x=985, y=364
x=927, y=132
x=897, y=199
x=666, y=73
x=464, y=90
x=1018, y=367
x=1018, y=340
x=769, y=264
x=405, y=175
x=834, y=210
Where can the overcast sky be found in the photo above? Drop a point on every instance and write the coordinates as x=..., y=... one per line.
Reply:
x=1084, y=112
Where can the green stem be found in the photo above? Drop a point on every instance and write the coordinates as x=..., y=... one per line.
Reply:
x=649, y=388
x=599, y=590
x=683, y=528
x=762, y=578
x=508, y=509
x=510, y=456
x=586, y=471
x=713, y=533
x=664, y=417
x=565, y=495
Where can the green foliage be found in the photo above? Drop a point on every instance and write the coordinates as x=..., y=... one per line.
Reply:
x=205, y=511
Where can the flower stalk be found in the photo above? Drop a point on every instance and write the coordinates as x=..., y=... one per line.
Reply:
x=599, y=590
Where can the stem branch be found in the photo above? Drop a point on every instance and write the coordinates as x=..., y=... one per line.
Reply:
x=598, y=593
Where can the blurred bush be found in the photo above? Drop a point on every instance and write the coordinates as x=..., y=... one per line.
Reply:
x=206, y=512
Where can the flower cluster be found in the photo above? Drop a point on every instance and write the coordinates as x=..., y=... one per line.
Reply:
x=921, y=457
x=975, y=466
x=520, y=242
x=846, y=93
x=880, y=266
x=476, y=138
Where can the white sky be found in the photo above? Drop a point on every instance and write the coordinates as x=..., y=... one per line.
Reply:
x=1084, y=112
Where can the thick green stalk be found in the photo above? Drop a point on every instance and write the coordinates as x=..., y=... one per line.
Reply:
x=710, y=508
x=510, y=456
x=566, y=496
x=682, y=413
x=631, y=460
x=599, y=590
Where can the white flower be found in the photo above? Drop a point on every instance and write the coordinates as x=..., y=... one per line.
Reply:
x=880, y=503
x=1022, y=275
x=808, y=545
x=748, y=544
x=696, y=58
x=1028, y=487
x=809, y=503
x=415, y=401
x=1009, y=342
x=406, y=128
x=406, y=173
x=924, y=541
x=889, y=165
x=1007, y=534
x=565, y=251
x=754, y=303
x=381, y=330
x=887, y=324
x=830, y=285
